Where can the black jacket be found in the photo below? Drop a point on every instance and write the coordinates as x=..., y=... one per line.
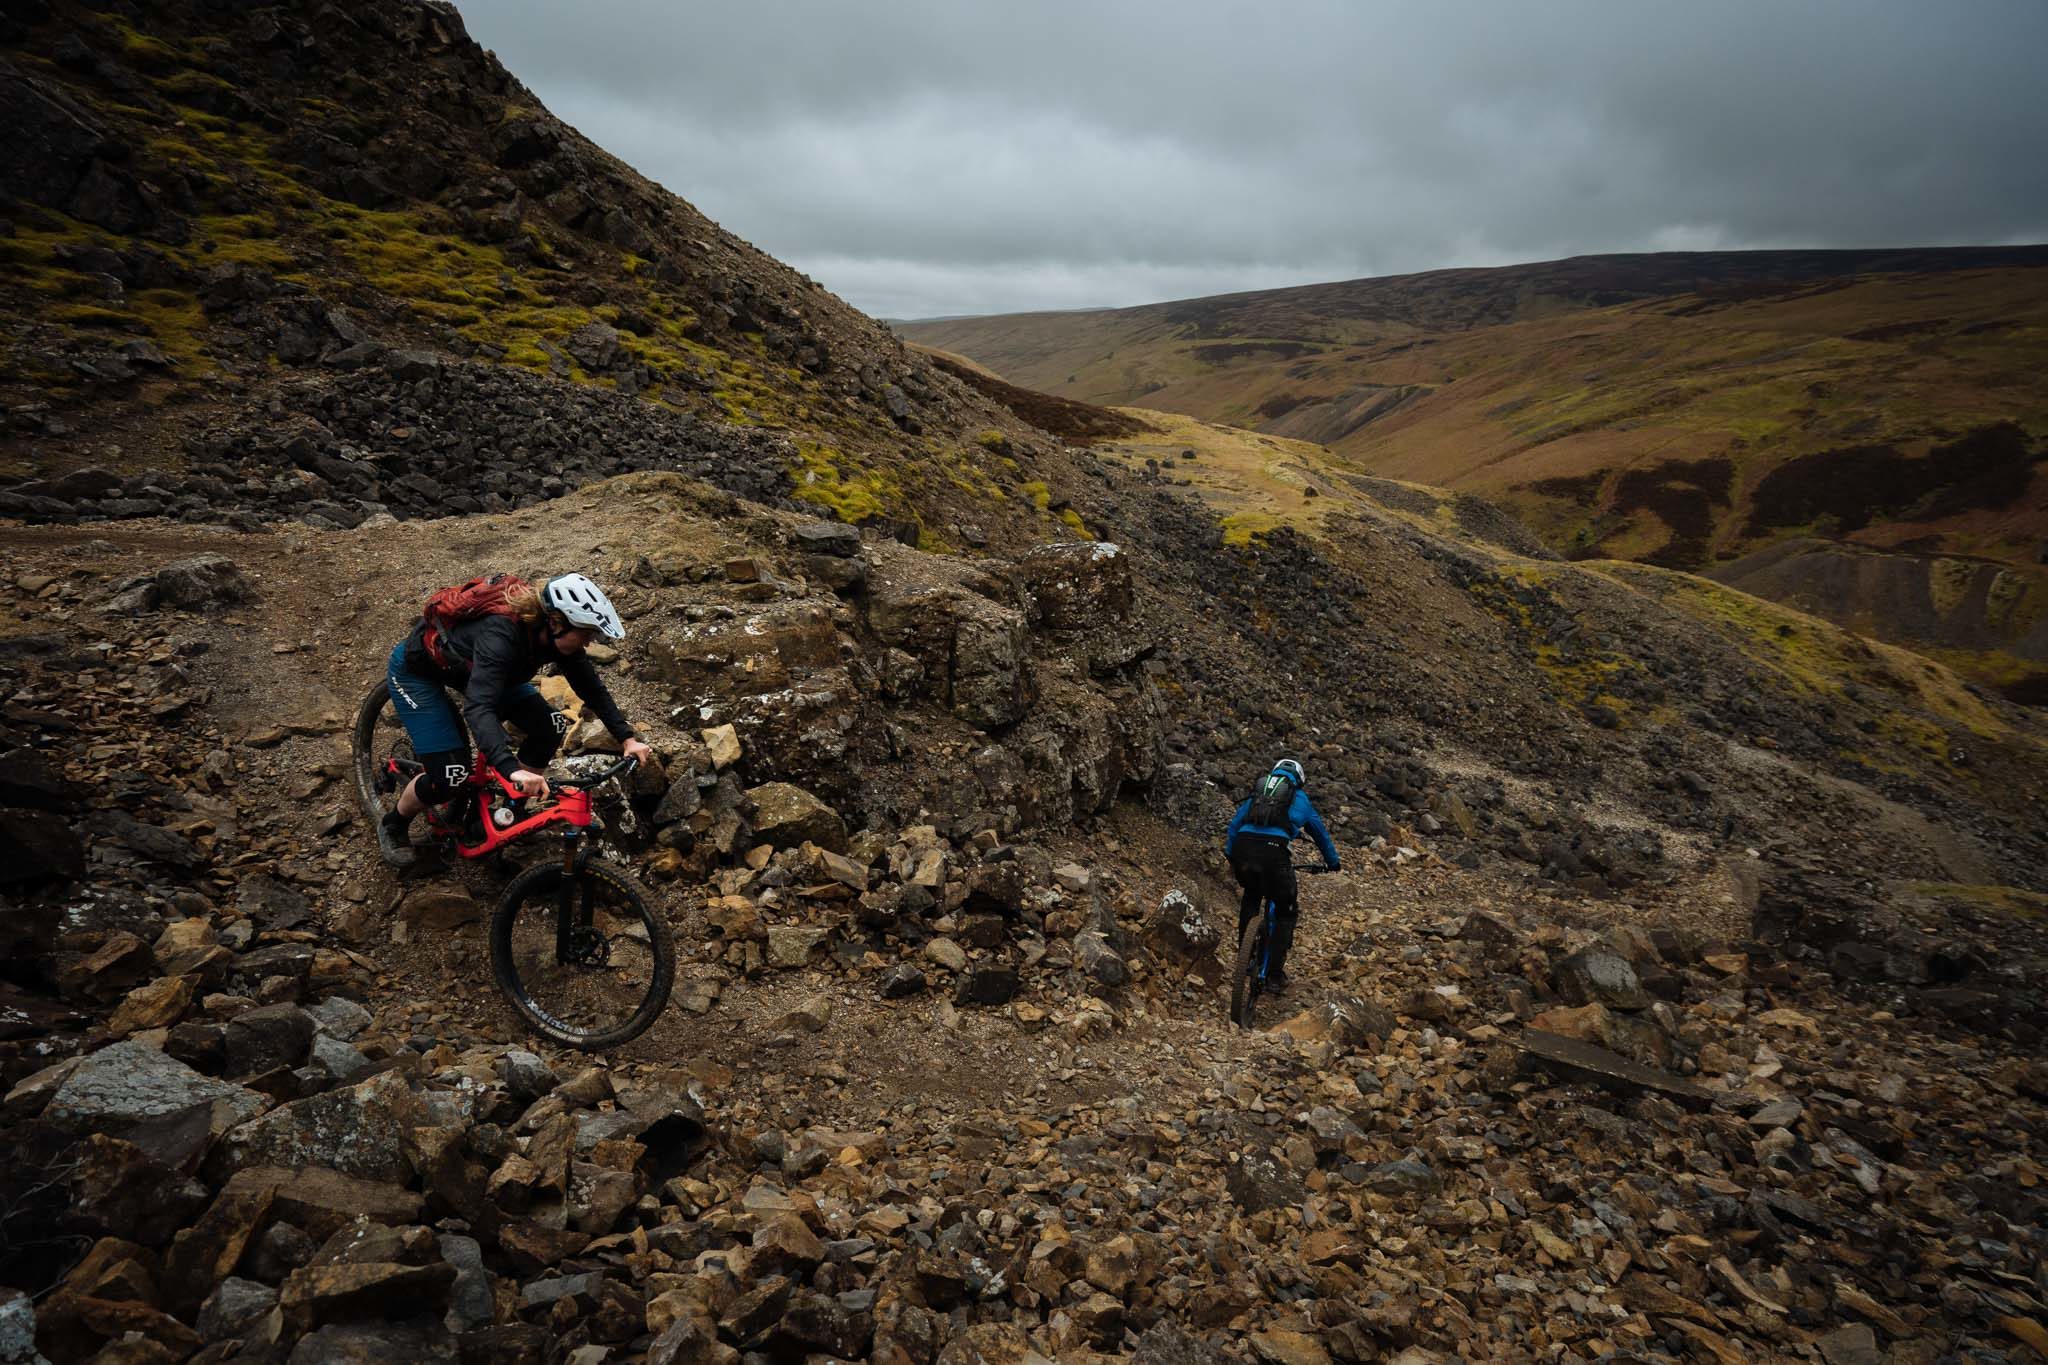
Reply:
x=488, y=657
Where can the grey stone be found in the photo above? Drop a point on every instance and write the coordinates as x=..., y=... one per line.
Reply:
x=1411, y=1175
x=828, y=538
x=375, y=1343
x=1257, y=1182
x=987, y=985
x=233, y=1307
x=1102, y=963
x=902, y=980
x=1598, y=1064
x=363, y=1130
x=339, y=1017
x=1599, y=975
x=339, y=1060
x=132, y=1081
x=791, y=945
x=203, y=580
x=267, y=1038
x=18, y=1329
x=524, y=1074
x=1167, y=1343
x=471, y=1303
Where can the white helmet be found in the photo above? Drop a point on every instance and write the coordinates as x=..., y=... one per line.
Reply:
x=584, y=603
x=1293, y=770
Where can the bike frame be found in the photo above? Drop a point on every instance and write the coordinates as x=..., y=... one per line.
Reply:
x=572, y=810
x=1272, y=913
x=573, y=806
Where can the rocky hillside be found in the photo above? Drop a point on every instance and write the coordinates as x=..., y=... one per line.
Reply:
x=346, y=254
x=1684, y=410
x=1682, y=997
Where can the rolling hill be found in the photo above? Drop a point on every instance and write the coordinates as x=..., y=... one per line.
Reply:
x=1687, y=410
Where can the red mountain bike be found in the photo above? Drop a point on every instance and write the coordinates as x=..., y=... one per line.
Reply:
x=575, y=945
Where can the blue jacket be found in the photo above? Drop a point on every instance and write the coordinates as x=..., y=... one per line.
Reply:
x=1301, y=814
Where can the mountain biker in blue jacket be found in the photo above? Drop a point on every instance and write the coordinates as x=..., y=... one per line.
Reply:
x=1259, y=857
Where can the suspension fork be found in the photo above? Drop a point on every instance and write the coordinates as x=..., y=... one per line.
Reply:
x=1272, y=931
x=565, y=909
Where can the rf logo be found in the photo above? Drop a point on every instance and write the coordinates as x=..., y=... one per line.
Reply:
x=561, y=722
x=455, y=774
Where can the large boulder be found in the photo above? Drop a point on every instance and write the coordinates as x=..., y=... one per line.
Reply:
x=787, y=816
x=364, y=1130
x=203, y=580
x=1078, y=585
x=122, y=1085
x=1597, y=975
x=970, y=650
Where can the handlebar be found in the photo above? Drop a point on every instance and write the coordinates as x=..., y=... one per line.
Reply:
x=1315, y=871
x=624, y=765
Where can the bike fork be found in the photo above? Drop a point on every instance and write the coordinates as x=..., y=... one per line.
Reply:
x=565, y=898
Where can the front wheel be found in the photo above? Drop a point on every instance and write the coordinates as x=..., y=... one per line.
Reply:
x=605, y=980
x=1249, y=979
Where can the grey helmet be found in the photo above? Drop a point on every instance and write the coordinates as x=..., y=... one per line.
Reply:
x=584, y=604
x=1293, y=770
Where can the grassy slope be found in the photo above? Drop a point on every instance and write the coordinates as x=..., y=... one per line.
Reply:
x=1638, y=430
x=1564, y=392
x=1256, y=484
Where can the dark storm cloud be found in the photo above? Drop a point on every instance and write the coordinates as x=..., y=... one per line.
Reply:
x=949, y=157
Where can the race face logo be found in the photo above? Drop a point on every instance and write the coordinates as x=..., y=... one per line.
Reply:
x=561, y=722
x=455, y=774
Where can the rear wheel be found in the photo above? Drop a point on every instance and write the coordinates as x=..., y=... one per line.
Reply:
x=1248, y=981
x=614, y=979
x=378, y=736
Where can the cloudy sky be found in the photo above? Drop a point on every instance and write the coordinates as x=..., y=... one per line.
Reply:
x=931, y=157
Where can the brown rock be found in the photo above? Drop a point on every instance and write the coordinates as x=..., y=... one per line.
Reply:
x=118, y=1187
x=323, y=1201
x=115, y=1269
x=73, y=1326
x=205, y=1253
x=1281, y=1347
x=533, y=1246
x=155, y=1004
x=455, y=1183
x=988, y=1343
x=784, y=1245
x=116, y=967
x=379, y=1290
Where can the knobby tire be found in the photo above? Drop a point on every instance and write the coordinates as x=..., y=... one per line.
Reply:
x=1245, y=985
x=540, y=884
x=365, y=760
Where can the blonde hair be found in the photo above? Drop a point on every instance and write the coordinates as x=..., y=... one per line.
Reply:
x=526, y=605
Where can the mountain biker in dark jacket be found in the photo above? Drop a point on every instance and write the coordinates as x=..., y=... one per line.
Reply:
x=491, y=661
x=1260, y=860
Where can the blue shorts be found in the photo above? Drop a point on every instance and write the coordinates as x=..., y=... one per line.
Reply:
x=430, y=717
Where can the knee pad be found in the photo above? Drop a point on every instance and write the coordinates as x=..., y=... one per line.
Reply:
x=444, y=776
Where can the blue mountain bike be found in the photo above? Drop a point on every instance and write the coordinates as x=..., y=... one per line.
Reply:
x=1255, y=956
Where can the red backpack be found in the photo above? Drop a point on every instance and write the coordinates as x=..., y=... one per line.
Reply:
x=486, y=596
